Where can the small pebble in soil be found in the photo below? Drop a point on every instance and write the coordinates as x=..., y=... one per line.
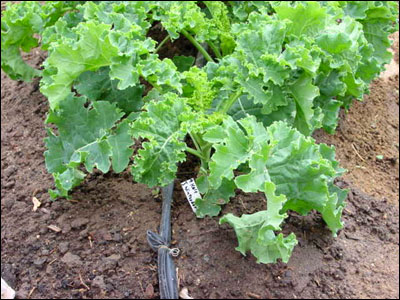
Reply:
x=189, y=280
x=109, y=262
x=79, y=222
x=8, y=202
x=71, y=259
x=43, y=230
x=127, y=294
x=117, y=238
x=9, y=171
x=98, y=281
x=9, y=185
x=38, y=262
x=114, y=257
x=83, y=233
x=125, y=249
x=49, y=269
x=149, y=293
x=66, y=228
x=63, y=247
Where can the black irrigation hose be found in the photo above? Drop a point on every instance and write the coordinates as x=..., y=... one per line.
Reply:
x=160, y=242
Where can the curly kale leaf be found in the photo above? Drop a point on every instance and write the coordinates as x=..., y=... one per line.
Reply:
x=98, y=86
x=255, y=232
x=90, y=136
x=19, y=23
x=160, y=127
x=113, y=35
x=302, y=170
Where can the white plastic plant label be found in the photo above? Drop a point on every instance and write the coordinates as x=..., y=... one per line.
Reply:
x=6, y=291
x=192, y=192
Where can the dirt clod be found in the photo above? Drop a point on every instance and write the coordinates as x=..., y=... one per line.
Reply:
x=79, y=222
x=98, y=281
x=39, y=262
x=71, y=259
x=149, y=293
x=63, y=247
x=9, y=171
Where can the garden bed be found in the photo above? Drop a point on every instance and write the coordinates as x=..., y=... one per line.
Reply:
x=102, y=251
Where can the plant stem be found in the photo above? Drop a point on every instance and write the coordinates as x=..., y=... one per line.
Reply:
x=215, y=49
x=198, y=141
x=63, y=10
x=162, y=43
x=196, y=144
x=197, y=45
x=194, y=152
x=203, y=148
x=227, y=105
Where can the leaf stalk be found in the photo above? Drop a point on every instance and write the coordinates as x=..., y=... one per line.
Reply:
x=162, y=43
x=197, y=45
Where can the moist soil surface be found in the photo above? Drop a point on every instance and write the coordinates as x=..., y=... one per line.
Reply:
x=96, y=244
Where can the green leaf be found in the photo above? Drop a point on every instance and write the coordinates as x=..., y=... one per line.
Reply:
x=62, y=29
x=126, y=17
x=304, y=92
x=98, y=86
x=213, y=199
x=199, y=89
x=304, y=172
x=84, y=138
x=20, y=22
x=221, y=25
x=303, y=55
x=124, y=69
x=330, y=110
x=231, y=150
x=176, y=16
x=15, y=67
x=332, y=213
x=301, y=170
x=253, y=181
x=377, y=36
x=156, y=163
x=66, y=181
x=356, y=9
x=306, y=18
x=125, y=50
x=160, y=72
x=261, y=36
x=233, y=147
x=255, y=232
x=91, y=52
x=183, y=63
x=274, y=205
x=245, y=106
x=242, y=9
x=120, y=143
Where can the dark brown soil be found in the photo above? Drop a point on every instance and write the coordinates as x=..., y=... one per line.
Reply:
x=102, y=252
x=182, y=45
